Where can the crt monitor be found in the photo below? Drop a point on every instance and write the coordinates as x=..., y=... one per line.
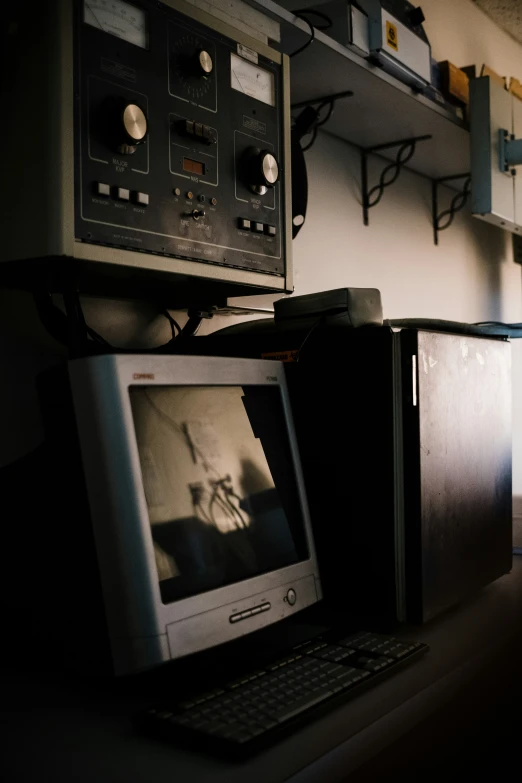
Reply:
x=196, y=500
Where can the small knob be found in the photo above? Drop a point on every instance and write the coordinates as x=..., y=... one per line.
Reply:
x=205, y=64
x=263, y=170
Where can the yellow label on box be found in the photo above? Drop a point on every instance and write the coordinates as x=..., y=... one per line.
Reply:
x=392, y=39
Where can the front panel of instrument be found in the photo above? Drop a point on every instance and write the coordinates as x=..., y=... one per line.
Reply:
x=179, y=146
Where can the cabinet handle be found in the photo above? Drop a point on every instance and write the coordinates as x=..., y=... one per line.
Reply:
x=414, y=380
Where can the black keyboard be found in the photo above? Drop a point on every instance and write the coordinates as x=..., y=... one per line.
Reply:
x=242, y=716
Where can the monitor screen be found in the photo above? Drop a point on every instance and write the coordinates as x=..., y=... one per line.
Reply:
x=219, y=484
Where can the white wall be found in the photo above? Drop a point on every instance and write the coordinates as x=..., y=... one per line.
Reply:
x=470, y=276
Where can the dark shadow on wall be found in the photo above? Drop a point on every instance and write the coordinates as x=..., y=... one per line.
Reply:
x=491, y=245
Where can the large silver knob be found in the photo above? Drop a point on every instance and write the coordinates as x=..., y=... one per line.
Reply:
x=134, y=129
x=135, y=123
x=205, y=64
x=263, y=171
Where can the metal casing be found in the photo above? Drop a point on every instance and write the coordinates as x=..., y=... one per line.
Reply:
x=38, y=192
x=144, y=631
x=492, y=190
x=400, y=51
x=456, y=529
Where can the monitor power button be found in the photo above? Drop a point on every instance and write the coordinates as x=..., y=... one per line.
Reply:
x=291, y=596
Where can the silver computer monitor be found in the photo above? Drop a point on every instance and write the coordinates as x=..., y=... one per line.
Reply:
x=196, y=499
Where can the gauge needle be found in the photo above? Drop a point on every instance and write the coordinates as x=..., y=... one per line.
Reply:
x=237, y=79
x=92, y=12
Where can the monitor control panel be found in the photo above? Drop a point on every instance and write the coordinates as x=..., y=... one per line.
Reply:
x=179, y=137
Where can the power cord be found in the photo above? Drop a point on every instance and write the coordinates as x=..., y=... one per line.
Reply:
x=303, y=14
x=319, y=123
x=71, y=329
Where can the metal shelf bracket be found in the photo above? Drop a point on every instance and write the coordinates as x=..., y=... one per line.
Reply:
x=443, y=220
x=390, y=173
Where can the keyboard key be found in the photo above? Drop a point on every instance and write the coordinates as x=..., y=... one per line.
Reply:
x=303, y=704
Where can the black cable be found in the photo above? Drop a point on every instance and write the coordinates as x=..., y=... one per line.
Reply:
x=303, y=14
x=311, y=143
x=310, y=40
x=331, y=105
x=71, y=329
x=319, y=123
x=174, y=326
x=307, y=337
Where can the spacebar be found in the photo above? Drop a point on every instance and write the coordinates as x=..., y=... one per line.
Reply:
x=301, y=706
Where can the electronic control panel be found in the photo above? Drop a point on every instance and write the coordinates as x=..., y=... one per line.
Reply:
x=179, y=138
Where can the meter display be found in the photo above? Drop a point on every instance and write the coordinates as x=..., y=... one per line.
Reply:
x=118, y=18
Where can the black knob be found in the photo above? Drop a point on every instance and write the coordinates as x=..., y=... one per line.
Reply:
x=124, y=124
x=262, y=170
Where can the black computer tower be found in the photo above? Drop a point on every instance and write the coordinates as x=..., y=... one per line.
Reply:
x=405, y=440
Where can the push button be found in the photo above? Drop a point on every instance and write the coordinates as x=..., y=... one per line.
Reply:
x=198, y=130
x=209, y=134
x=102, y=189
x=189, y=127
x=270, y=230
x=142, y=199
x=244, y=223
x=123, y=194
x=258, y=228
x=291, y=596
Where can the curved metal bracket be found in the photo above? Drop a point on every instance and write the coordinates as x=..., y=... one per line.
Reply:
x=443, y=220
x=389, y=174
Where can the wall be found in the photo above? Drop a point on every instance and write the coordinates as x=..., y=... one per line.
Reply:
x=470, y=276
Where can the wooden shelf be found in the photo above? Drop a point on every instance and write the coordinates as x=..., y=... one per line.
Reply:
x=381, y=110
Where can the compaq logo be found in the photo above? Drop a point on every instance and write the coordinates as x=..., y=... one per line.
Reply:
x=271, y=378
x=143, y=376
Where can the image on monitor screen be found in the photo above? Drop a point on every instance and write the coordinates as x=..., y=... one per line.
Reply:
x=219, y=483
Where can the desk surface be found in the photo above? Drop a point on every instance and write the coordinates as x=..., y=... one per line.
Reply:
x=60, y=734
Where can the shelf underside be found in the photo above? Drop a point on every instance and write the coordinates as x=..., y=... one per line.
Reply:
x=382, y=109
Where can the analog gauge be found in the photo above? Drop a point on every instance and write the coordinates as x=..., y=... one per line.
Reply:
x=192, y=67
x=118, y=18
x=248, y=78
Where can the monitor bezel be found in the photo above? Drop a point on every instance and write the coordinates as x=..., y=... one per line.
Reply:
x=137, y=617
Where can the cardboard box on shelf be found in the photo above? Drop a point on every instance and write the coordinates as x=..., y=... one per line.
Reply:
x=515, y=87
x=454, y=82
x=487, y=71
